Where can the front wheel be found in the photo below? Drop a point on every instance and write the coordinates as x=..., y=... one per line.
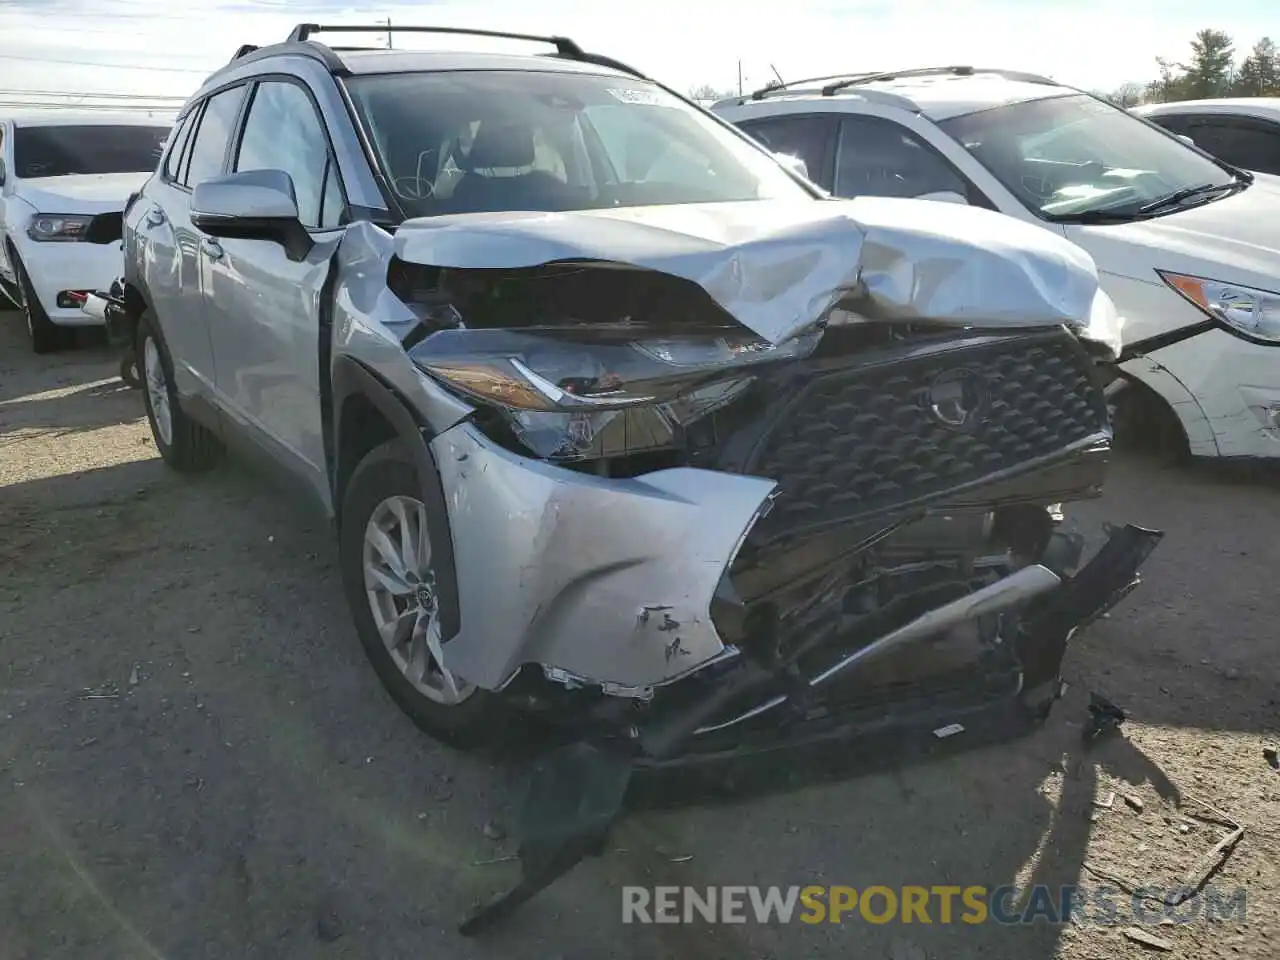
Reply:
x=389, y=573
x=45, y=335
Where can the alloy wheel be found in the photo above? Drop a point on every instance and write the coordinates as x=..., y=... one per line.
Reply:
x=157, y=384
x=400, y=584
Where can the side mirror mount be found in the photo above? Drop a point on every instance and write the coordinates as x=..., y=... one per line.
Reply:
x=944, y=196
x=794, y=164
x=252, y=205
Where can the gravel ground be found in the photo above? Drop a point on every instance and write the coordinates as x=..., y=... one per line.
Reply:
x=197, y=762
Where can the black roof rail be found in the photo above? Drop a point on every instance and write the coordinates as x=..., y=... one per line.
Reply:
x=244, y=51
x=564, y=46
x=956, y=71
x=600, y=60
x=777, y=87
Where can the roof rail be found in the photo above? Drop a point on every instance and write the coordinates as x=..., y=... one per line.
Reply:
x=956, y=71
x=779, y=87
x=244, y=51
x=305, y=31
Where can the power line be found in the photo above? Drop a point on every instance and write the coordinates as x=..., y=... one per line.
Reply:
x=96, y=96
x=108, y=66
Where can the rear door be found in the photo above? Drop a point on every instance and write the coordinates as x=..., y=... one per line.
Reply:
x=168, y=246
x=263, y=309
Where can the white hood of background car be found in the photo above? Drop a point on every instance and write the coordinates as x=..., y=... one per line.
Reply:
x=100, y=193
x=1236, y=240
x=779, y=266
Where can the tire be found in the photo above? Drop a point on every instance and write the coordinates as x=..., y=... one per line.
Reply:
x=388, y=473
x=185, y=445
x=45, y=335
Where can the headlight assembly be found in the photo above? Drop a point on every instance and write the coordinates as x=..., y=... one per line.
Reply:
x=572, y=370
x=1252, y=313
x=599, y=393
x=54, y=227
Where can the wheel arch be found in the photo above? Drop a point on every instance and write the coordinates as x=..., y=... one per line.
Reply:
x=368, y=412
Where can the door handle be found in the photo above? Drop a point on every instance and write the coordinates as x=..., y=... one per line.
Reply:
x=155, y=217
x=213, y=249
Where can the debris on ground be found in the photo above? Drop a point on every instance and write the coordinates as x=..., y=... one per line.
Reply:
x=1104, y=717
x=328, y=924
x=1138, y=935
x=1135, y=801
x=682, y=859
x=133, y=676
x=1107, y=802
x=1273, y=760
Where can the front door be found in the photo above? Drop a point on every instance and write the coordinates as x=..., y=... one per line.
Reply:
x=262, y=308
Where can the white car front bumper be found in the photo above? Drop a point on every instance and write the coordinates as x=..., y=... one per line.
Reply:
x=1225, y=391
x=56, y=268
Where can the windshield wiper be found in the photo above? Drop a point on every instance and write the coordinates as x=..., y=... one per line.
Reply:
x=1098, y=216
x=1187, y=193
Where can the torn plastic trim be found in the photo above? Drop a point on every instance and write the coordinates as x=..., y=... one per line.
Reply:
x=779, y=267
x=1006, y=593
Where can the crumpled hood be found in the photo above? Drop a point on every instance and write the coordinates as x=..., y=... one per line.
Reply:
x=100, y=193
x=779, y=266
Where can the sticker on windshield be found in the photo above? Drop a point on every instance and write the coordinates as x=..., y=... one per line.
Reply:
x=648, y=98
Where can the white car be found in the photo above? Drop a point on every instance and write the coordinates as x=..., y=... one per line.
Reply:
x=64, y=177
x=1244, y=131
x=1187, y=246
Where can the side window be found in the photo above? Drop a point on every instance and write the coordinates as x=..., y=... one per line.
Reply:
x=1244, y=144
x=284, y=132
x=880, y=158
x=178, y=146
x=209, y=145
x=1177, y=123
x=803, y=137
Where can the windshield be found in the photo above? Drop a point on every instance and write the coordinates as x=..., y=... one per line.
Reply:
x=1071, y=155
x=480, y=141
x=88, y=149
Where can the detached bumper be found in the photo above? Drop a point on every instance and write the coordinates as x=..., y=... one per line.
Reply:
x=606, y=579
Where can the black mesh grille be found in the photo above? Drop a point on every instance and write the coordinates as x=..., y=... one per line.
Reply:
x=867, y=438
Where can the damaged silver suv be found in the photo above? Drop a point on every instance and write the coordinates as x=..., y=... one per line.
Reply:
x=622, y=425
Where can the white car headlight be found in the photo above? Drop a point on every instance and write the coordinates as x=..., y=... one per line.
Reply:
x=51, y=227
x=1247, y=310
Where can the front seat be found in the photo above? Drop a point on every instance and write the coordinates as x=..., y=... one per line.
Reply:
x=505, y=146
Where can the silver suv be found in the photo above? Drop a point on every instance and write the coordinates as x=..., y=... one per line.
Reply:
x=621, y=424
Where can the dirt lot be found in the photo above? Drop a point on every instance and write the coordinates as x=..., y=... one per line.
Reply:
x=197, y=762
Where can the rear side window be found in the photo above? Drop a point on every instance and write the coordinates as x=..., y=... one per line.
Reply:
x=209, y=147
x=173, y=162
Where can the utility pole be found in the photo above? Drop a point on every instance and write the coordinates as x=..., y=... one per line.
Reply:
x=390, y=45
x=739, y=78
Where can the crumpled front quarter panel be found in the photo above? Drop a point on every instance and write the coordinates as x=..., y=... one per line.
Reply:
x=607, y=579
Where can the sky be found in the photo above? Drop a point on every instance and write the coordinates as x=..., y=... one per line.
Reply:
x=164, y=48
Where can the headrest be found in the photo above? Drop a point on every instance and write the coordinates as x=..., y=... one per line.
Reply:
x=501, y=145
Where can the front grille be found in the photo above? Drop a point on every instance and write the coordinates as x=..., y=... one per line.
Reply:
x=860, y=439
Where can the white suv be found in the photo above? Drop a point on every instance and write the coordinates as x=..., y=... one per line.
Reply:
x=64, y=178
x=1187, y=246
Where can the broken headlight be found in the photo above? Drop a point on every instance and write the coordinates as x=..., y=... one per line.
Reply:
x=607, y=392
